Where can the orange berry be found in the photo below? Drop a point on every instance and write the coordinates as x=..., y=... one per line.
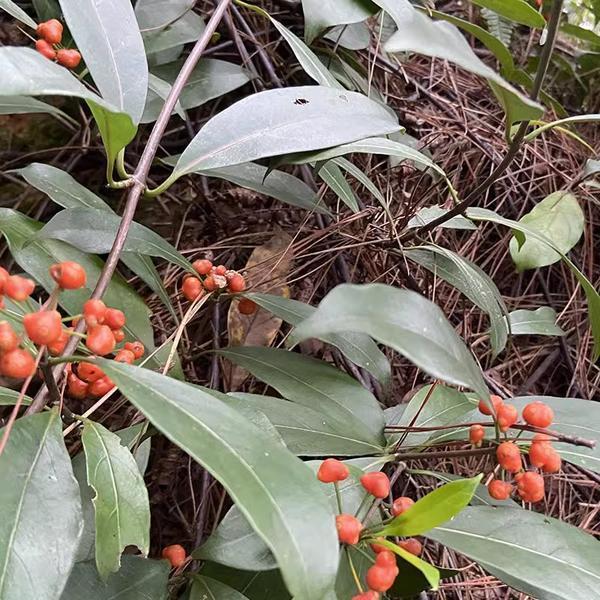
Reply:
x=377, y=548
x=385, y=559
x=507, y=416
x=348, y=528
x=498, y=489
x=43, y=327
x=125, y=356
x=18, y=288
x=247, y=306
x=45, y=49
x=68, y=58
x=370, y=595
x=381, y=579
x=51, y=31
x=538, y=453
x=89, y=372
x=476, y=434
x=137, y=348
x=412, y=545
x=202, y=266
x=119, y=335
x=210, y=284
x=100, y=340
x=9, y=340
x=69, y=275
x=175, y=554
x=236, y=284
x=4, y=275
x=377, y=484
x=220, y=270
x=538, y=414
x=100, y=387
x=401, y=505
x=76, y=387
x=192, y=288
x=530, y=486
x=94, y=312
x=114, y=318
x=17, y=363
x=332, y=470
x=484, y=408
x=553, y=462
x=509, y=456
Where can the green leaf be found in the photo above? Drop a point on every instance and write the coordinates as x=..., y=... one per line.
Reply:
x=541, y=321
x=9, y=397
x=581, y=33
x=559, y=218
x=356, y=347
x=354, y=36
x=254, y=585
x=204, y=588
x=332, y=175
x=362, y=178
x=17, y=12
x=317, y=385
x=276, y=122
x=121, y=503
x=418, y=33
x=20, y=105
x=138, y=579
x=413, y=581
x=61, y=188
x=401, y=319
x=93, y=230
x=534, y=553
x=107, y=35
x=41, y=512
x=271, y=487
x=433, y=510
x=161, y=89
x=430, y=213
x=515, y=10
x=471, y=281
x=321, y=14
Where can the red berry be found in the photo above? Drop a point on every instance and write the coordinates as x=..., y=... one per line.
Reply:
x=89, y=372
x=370, y=595
x=498, y=489
x=377, y=484
x=125, y=356
x=509, y=456
x=137, y=348
x=385, y=559
x=192, y=288
x=332, y=470
x=401, y=505
x=538, y=414
x=202, y=266
x=17, y=363
x=530, y=486
x=348, y=528
x=114, y=318
x=484, y=406
x=100, y=340
x=119, y=335
x=507, y=416
x=45, y=49
x=18, y=288
x=101, y=387
x=77, y=389
x=211, y=284
x=9, y=340
x=247, y=306
x=57, y=347
x=381, y=579
x=68, y=58
x=236, y=284
x=3, y=278
x=377, y=548
x=553, y=462
x=51, y=31
x=412, y=545
x=476, y=434
x=43, y=327
x=69, y=275
x=175, y=554
x=220, y=270
x=538, y=453
x=94, y=312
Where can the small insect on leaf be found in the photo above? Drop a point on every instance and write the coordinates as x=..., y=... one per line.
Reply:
x=301, y=101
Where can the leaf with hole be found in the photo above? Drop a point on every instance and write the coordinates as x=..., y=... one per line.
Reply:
x=541, y=321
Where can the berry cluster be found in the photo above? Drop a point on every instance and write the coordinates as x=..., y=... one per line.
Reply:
x=381, y=575
x=50, y=34
x=215, y=279
x=530, y=484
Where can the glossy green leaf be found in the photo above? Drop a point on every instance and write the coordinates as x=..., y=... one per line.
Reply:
x=474, y=283
x=430, y=213
x=46, y=9
x=161, y=90
x=413, y=581
x=401, y=319
x=361, y=177
x=93, y=230
x=17, y=12
x=9, y=397
x=254, y=585
x=332, y=175
x=204, y=588
x=321, y=14
x=434, y=509
x=541, y=321
x=61, y=188
x=581, y=33
x=418, y=33
x=356, y=347
x=270, y=486
x=107, y=35
x=121, y=503
x=20, y=105
x=137, y=579
x=559, y=218
x=276, y=121
x=317, y=385
x=589, y=118
x=41, y=511
x=167, y=25
x=354, y=36
x=534, y=553
x=518, y=11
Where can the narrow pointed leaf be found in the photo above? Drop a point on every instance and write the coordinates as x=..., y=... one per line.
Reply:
x=321, y=14
x=17, y=105
x=515, y=10
x=332, y=175
x=9, y=397
x=17, y=12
